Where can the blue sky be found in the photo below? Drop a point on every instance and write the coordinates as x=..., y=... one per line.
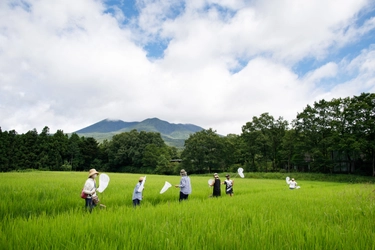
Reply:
x=155, y=48
x=212, y=63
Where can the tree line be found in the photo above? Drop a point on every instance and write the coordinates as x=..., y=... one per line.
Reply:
x=336, y=136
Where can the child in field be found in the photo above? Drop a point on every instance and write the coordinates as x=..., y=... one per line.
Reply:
x=137, y=194
x=228, y=185
x=292, y=184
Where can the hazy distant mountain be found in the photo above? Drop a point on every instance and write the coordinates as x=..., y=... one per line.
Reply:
x=106, y=126
x=172, y=134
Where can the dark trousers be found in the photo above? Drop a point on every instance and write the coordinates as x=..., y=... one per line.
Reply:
x=136, y=202
x=183, y=196
x=89, y=204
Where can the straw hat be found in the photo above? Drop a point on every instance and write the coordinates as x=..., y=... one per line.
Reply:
x=92, y=172
x=140, y=179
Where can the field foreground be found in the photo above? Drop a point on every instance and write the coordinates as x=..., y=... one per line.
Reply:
x=43, y=210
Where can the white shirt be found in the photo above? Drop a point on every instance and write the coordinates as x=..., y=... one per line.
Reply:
x=292, y=184
x=89, y=187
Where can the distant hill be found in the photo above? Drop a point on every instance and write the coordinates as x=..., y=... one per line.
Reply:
x=172, y=134
x=106, y=126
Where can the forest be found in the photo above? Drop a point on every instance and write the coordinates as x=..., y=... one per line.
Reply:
x=336, y=136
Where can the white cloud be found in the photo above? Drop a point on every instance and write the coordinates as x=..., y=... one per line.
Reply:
x=365, y=62
x=326, y=71
x=362, y=73
x=287, y=30
x=68, y=64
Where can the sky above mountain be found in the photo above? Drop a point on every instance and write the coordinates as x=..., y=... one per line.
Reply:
x=67, y=64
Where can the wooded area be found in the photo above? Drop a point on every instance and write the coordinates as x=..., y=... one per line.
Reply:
x=336, y=136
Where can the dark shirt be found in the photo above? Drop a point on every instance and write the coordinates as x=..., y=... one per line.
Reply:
x=217, y=190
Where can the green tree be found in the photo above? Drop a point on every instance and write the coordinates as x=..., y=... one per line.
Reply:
x=263, y=140
x=9, y=145
x=164, y=165
x=250, y=137
x=27, y=150
x=232, y=153
x=203, y=151
x=59, y=143
x=44, y=148
x=75, y=157
x=343, y=145
x=362, y=119
x=288, y=148
x=152, y=154
x=90, y=150
x=312, y=124
x=133, y=150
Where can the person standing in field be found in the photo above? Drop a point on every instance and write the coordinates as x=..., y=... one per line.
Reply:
x=228, y=185
x=292, y=184
x=90, y=189
x=185, y=186
x=137, y=194
x=216, y=184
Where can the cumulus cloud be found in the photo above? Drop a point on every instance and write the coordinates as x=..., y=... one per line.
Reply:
x=68, y=64
x=326, y=71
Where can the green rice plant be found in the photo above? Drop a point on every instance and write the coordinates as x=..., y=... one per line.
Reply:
x=43, y=210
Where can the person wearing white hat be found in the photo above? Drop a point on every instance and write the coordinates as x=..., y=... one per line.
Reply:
x=216, y=184
x=90, y=189
x=292, y=184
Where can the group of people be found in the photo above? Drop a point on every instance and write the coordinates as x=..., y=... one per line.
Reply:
x=185, y=188
x=92, y=199
x=216, y=184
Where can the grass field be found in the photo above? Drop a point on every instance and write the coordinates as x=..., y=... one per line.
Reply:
x=43, y=210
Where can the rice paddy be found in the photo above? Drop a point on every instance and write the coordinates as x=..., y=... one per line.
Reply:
x=43, y=210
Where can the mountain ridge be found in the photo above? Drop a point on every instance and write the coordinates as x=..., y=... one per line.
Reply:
x=172, y=134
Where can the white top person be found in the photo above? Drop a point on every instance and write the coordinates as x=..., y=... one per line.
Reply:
x=292, y=184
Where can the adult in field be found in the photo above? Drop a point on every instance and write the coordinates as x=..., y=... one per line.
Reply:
x=185, y=185
x=292, y=184
x=137, y=194
x=90, y=189
x=216, y=184
x=228, y=185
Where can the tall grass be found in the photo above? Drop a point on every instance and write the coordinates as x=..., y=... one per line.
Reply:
x=43, y=210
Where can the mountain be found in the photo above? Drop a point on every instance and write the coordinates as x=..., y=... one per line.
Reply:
x=106, y=126
x=172, y=134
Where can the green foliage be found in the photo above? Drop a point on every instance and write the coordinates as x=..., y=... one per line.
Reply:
x=165, y=166
x=66, y=167
x=336, y=136
x=135, y=149
x=203, y=152
x=46, y=152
